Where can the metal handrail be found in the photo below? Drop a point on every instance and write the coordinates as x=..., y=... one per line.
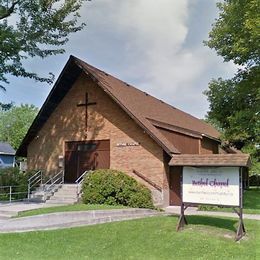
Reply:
x=50, y=185
x=11, y=192
x=33, y=181
x=140, y=175
x=79, y=182
x=80, y=178
x=14, y=186
x=34, y=175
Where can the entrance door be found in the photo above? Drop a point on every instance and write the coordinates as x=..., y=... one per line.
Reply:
x=175, y=186
x=85, y=155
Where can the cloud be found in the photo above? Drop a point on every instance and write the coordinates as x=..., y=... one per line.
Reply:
x=157, y=54
x=154, y=34
x=154, y=45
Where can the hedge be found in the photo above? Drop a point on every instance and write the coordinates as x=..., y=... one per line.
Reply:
x=12, y=176
x=254, y=180
x=113, y=187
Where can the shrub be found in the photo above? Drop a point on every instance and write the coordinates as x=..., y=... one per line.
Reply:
x=13, y=177
x=208, y=207
x=9, y=176
x=254, y=180
x=115, y=188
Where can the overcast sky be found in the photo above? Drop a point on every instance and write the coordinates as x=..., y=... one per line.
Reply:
x=154, y=45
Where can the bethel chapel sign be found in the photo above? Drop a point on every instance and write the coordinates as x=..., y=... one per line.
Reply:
x=207, y=185
x=215, y=179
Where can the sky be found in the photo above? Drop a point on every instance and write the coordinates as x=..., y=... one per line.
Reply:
x=157, y=46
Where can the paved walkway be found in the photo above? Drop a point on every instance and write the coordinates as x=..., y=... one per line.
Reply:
x=16, y=207
x=194, y=211
x=82, y=218
x=72, y=219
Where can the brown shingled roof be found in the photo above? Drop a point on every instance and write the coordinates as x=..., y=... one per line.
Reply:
x=210, y=160
x=140, y=106
x=147, y=106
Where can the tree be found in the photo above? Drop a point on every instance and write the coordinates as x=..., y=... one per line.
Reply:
x=235, y=34
x=15, y=122
x=35, y=28
x=235, y=103
x=6, y=106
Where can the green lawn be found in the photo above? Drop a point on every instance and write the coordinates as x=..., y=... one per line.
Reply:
x=150, y=238
x=251, y=203
x=75, y=207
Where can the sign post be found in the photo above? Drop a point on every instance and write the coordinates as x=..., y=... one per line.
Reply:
x=182, y=220
x=219, y=186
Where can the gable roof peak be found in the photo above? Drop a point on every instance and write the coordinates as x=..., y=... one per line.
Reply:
x=138, y=104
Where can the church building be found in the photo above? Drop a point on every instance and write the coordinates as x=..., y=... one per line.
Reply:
x=92, y=120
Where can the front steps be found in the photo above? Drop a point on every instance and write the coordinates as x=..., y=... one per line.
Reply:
x=66, y=194
x=61, y=194
x=39, y=195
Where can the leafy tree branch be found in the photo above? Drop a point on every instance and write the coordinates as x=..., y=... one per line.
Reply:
x=235, y=103
x=41, y=29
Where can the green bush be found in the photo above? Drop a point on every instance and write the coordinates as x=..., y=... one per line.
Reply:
x=208, y=208
x=113, y=187
x=254, y=180
x=9, y=176
x=13, y=177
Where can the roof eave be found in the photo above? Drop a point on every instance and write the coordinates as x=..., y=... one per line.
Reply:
x=35, y=126
x=181, y=160
x=1, y=153
x=211, y=137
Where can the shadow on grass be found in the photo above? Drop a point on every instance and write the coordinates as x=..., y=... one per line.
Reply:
x=229, y=224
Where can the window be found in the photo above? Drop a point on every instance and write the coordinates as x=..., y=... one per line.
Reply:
x=86, y=147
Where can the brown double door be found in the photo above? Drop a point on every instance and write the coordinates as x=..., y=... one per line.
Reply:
x=85, y=155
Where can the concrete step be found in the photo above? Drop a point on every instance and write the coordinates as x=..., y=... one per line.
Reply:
x=67, y=194
x=5, y=214
x=41, y=192
x=64, y=195
x=36, y=193
x=61, y=191
x=73, y=219
x=54, y=202
x=69, y=186
x=37, y=200
x=4, y=217
x=68, y=190
x=95, y=221
x=61, y=201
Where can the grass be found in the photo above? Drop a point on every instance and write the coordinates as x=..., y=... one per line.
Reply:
x=251, y=206
x=66, y=208
x=251, y=203
x=150, y=238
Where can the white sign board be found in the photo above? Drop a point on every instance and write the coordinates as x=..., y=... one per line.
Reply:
x=211, y=185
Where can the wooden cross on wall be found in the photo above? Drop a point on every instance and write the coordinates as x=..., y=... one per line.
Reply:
x=86, y=104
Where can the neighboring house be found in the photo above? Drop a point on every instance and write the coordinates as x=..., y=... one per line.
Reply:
x=92, y=120
x=7, y=155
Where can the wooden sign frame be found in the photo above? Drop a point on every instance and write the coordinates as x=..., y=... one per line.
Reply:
x=238, y=210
